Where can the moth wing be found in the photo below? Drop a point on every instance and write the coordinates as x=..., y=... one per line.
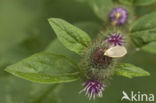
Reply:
x=116, y=52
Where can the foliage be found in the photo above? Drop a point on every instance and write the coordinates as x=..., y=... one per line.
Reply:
x=30, y=51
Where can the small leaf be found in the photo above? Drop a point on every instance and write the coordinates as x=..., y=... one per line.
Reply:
x=143, y=2
x=101, y=7
x=151, y=47
x=144, y=23
x=130, y=71
x=45, y=68
x=71, y=37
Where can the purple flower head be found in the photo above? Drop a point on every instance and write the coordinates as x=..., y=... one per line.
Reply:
x=116, y=39
x=118, y=16
x=93, y=88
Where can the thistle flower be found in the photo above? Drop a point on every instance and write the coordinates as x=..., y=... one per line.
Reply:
x=93, y=88
x=118, y=16
x=116, y=39
x=99, y=64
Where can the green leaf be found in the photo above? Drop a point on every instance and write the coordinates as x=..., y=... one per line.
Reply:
x=130, y=71
x=143, y=2
x=144, y=23
x=151, y=47
x=45, y=68
x=44, y=93
x=142, y=38
x=126, y=2
x=137, y=2
x=81, y=1
x=101, y=7
x=71, y=37
x=15, y=90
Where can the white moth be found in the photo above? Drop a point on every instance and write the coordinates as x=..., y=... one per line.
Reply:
x=116, y=52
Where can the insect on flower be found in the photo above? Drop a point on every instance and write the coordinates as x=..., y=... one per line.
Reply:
x=93, y=88
x=116, y=52
x=118, y=16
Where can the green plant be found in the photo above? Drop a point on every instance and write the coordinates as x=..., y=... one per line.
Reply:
x=77, y=56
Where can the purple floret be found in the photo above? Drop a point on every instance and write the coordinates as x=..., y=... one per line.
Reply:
x=116, y=39
x=93, y=88
x=118, y=16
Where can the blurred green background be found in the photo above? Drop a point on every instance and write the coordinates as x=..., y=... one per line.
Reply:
x=24, y=30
